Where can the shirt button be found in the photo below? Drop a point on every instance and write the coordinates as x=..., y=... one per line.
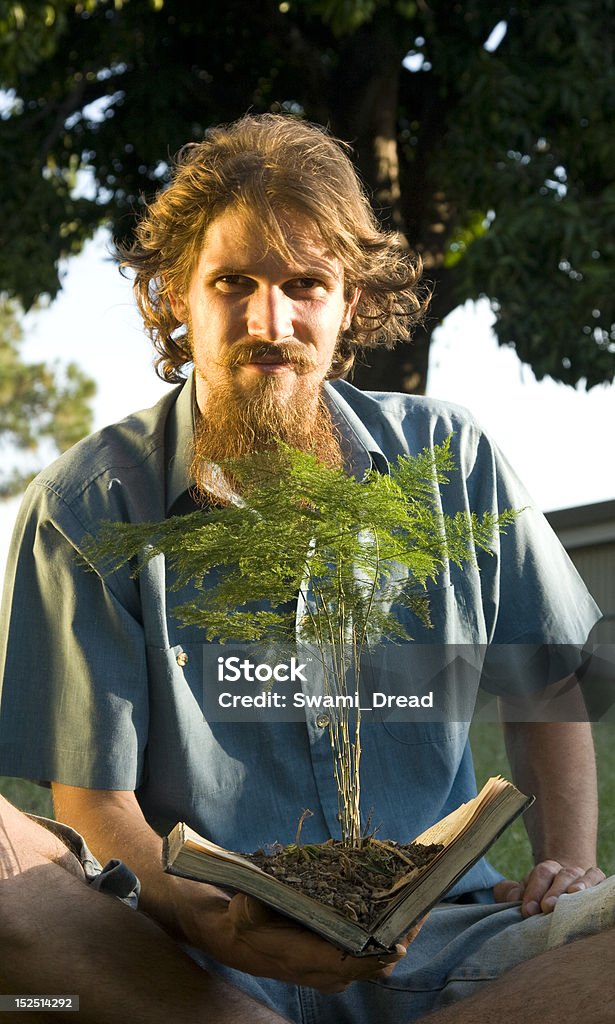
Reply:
x=182, y=659
x=322, y=721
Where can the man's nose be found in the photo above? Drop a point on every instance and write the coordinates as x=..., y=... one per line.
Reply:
x=270, y=315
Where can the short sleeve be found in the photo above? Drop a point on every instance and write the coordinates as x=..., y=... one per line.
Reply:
x=74, y=693
x=541, y=612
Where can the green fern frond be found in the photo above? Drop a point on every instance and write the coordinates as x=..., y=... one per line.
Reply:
x=358, y=552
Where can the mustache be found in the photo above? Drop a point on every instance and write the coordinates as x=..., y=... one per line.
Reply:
x=242, y=352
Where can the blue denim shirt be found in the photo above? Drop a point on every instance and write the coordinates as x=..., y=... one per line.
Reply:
x=103, y=689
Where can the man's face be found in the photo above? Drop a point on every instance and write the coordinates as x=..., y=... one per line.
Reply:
x=260, y=321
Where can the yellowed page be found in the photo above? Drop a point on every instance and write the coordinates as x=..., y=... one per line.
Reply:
x=196, y=842
x=456, y=823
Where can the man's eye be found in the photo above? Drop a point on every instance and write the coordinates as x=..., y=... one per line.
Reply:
x=232, y=283
x=305, y=284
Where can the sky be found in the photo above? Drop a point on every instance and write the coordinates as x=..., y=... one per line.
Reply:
x=553, y=435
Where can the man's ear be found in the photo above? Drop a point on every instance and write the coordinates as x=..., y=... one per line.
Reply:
x=351, y=305
x=178, y=306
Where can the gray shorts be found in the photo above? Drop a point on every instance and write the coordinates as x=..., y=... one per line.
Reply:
x=115, y=878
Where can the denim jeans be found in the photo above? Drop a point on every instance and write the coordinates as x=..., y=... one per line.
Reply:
x=460, y=948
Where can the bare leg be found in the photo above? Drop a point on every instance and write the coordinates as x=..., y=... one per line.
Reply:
x=59, y=936
x=562, y=986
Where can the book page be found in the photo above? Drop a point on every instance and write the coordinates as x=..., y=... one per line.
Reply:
x=196, y=842
x=456, y=823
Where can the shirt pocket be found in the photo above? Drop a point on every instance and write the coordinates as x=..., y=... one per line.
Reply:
x=424, y=690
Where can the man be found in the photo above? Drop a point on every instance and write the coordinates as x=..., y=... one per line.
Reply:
x=263, y=265
x=61, y=936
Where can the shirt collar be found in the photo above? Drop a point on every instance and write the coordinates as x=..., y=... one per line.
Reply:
x=361, y=451
x=178, y=443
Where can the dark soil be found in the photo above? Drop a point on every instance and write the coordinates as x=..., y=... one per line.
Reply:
x=357, y=882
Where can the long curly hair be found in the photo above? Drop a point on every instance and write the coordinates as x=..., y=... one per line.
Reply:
x=262, y=166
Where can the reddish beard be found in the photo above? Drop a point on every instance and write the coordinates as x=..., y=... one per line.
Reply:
x=236, y=422
x=292, y=353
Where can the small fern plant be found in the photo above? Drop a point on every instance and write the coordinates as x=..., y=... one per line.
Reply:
x=352, y=551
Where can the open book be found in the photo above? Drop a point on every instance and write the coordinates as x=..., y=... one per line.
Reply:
x=465, y=835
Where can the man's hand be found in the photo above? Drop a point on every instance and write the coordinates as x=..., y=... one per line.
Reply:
x=240, y=932
x=268, y=944
x=554, y=761
x=544, y=884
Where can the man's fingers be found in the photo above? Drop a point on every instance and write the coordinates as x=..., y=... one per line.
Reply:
x=549, y=880
x=543, y=885
x=412, y=934
x=570, y=880
x=251, y=913
x=508, y=891
x=384, y=965
x=292, y=953
x=388, y=961
x=592, y=877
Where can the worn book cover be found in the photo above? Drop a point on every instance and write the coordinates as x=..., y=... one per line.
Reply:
x=464, y=836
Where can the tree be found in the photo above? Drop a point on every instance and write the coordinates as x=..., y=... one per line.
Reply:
x=38, y=403
x=494, y=163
